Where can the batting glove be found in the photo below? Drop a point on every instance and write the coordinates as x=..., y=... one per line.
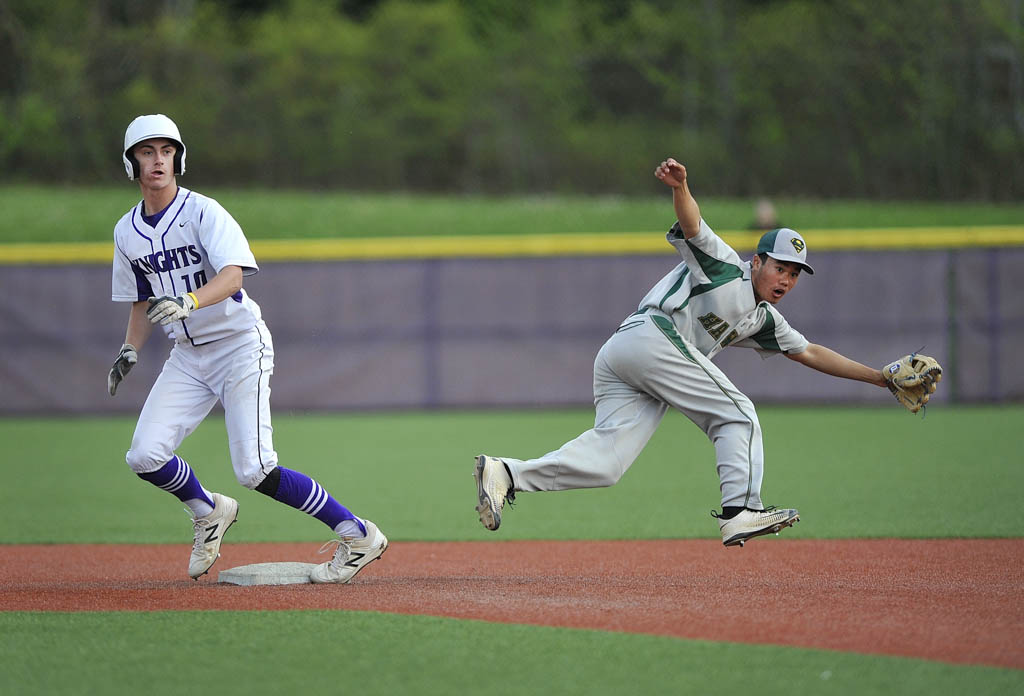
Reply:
x=164, y=310
x=126, y=360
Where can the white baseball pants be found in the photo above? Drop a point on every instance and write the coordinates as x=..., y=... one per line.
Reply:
x=644, y=368
x=235, y=371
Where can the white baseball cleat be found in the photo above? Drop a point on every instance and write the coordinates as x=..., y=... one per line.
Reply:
x=753, y=523
x=493, y=487
x=352, y=555
x=210, y=532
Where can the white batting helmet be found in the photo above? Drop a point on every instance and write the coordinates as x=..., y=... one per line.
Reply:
x=144, y=128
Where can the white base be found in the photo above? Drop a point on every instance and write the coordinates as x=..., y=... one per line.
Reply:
x=268, y=574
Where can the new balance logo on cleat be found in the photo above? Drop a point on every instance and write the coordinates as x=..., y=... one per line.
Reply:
x=207, y=541
x=351, y=556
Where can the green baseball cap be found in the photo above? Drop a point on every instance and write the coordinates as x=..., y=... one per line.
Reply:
x=785, y=244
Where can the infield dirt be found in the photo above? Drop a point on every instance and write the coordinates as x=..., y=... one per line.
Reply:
x=949, y=600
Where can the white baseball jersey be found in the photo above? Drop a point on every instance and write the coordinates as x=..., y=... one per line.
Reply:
x=710, y=299
x=222, y=345
x=193, y=240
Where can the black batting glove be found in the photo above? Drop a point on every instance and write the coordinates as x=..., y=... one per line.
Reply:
x=126, y=360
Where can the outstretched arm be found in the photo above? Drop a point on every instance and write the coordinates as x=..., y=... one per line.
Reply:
x=830, y=362
x=673, y=175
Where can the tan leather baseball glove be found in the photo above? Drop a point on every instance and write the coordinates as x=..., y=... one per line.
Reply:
x=912, y=380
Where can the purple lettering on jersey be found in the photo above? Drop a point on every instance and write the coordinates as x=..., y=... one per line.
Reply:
x=142, y=265
x=169, y=260
x=172, y=259
x=142, y=287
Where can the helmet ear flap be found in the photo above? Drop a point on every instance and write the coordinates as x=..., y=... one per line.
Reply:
x=131, y=165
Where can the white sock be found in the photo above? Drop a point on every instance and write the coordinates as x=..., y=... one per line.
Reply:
x=349, y=528
x=199, y=508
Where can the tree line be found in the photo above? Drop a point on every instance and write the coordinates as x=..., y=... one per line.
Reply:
x=917, y=99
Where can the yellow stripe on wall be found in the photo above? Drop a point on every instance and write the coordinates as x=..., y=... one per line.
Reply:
x=629, y=243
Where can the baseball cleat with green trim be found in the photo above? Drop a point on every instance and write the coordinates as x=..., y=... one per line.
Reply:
x=754, y=523
x=493, y=488
x=209, y=533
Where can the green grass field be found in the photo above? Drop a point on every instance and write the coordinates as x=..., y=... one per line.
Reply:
x=44, y=214
x=930, y=477
x=383, y=655
x=66, y=482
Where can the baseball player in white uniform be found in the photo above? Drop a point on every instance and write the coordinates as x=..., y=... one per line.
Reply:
x=179, y=259
x=660, y=357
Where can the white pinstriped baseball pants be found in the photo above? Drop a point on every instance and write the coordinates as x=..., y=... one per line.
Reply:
x=235, y=371
x=641, y=371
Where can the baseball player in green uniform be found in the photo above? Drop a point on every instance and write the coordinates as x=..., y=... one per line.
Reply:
x=660, y=357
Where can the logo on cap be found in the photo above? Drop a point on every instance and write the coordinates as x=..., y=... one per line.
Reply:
x=797, y=243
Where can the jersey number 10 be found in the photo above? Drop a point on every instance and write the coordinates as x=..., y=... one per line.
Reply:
x=196, y=281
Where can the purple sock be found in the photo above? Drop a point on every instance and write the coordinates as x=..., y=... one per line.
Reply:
x=303, y=493
x=176, y=477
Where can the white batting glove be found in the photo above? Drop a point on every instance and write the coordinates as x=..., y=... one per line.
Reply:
x=126, y=360
x=163, y=310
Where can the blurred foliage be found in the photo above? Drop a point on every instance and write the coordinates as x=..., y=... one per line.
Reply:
x=861, y=98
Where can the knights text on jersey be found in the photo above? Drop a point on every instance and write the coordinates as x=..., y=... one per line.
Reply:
x=193, y=240
x=710, y=298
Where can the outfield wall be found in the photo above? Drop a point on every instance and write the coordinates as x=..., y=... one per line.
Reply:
x=518, y=331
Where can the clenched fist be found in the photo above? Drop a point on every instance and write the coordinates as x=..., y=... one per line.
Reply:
x=671, y=172
x=164, y=310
